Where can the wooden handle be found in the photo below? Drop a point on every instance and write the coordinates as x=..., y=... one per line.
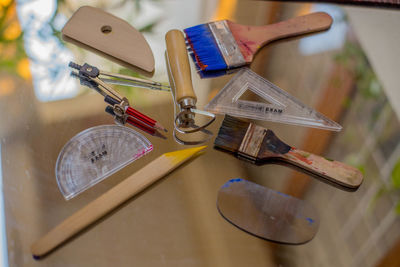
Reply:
x=179, y=65
x=112, y=198
x=96, y=209
x=313, y=22
x=262, y=35
x=335, y=171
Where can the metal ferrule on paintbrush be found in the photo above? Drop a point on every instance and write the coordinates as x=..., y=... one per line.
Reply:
x=227, y=45
x=251, y=143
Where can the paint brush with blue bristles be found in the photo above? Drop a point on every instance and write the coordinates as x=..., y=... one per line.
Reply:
x=223, y=44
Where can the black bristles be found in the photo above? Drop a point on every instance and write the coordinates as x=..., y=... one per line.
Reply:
x=231, y=134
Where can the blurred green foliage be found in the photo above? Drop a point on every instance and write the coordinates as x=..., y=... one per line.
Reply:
x=395, y=176
x=11, y=39
x=395, y=183
x=354, y=59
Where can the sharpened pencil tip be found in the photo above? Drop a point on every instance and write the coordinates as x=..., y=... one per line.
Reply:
x=158, y=134
x=158, y=126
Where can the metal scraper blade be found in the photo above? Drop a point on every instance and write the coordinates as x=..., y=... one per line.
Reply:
x=281, y=107
x=266, y=213
x=96, y=153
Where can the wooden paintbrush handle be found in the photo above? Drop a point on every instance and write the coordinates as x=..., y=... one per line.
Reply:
x=251, y=38
x=313, y=22
x=179, y=65
x=334, y=171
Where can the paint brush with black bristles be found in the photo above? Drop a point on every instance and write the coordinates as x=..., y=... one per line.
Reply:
x=223, y=45
x=261, y=146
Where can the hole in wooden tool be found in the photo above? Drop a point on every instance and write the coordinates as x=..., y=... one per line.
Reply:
x=106, y=29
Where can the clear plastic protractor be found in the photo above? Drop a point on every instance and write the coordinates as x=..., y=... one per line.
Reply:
x=96, y=153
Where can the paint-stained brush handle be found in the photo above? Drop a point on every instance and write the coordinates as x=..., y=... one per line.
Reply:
x=179, y=66
x=332, y=170
x=262, y=35
x=310, y=23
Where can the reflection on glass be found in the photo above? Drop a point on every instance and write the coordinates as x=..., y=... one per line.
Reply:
x=330, y=40
x=48, y=57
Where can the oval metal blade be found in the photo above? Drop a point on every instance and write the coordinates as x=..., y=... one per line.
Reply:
x=266, y=213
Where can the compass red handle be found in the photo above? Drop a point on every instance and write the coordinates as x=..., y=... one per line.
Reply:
x=140, y=116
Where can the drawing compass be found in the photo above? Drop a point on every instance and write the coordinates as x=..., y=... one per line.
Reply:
x=119, y=106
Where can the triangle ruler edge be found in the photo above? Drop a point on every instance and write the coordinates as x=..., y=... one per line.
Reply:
x=282, y=107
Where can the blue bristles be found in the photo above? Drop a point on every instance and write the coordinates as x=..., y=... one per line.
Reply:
x=205, y=49
x=206, y=74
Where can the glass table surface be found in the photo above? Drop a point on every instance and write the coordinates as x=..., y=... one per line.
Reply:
x=348, y=73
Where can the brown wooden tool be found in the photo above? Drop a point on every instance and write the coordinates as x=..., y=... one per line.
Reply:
x=111, y=35
x=180, y=68
x=181, y=85
x=117, y=195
